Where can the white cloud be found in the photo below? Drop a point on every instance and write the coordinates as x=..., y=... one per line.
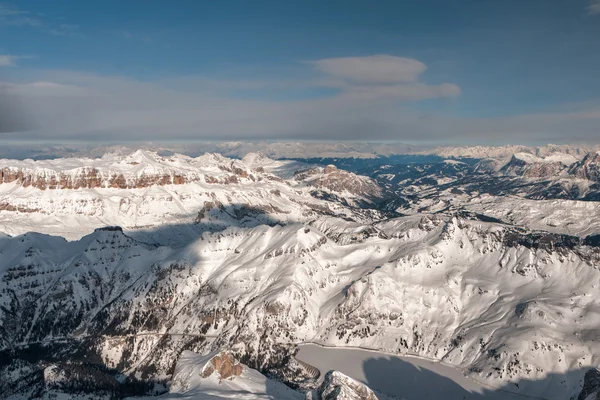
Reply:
x=381, y=76
x=594, y=7
x=378, y=69
x=11, y=15
x=72, y=105
x=8, y=61
x=66, y=30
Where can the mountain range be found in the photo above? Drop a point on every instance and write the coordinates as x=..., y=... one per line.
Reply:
x=144, y=273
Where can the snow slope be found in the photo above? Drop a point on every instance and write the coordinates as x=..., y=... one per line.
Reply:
x=505, y=305
x=193, y=379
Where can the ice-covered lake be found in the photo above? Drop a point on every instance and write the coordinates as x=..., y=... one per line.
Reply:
x=407, y=378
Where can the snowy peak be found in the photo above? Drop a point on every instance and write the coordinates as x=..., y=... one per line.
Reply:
x=526, y=158
x=340, y=181
x=285, y=169
x=257, y=159
x=139, y=169
x=588, y=168
x=505, y=152
x=531, y=166
x=337, y=386
x=141, y=157
x=566, y=159
x=219, y=375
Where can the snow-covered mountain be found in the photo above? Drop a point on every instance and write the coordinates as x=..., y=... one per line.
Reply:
x=138, y=170
x=237, y=258
x=530, y=166
x=141, y=191
x=505, y=152
x=554, y=193
x=439, y=288
x=588, y=168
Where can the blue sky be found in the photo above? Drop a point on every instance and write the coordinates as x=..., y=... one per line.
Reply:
x=468, y=71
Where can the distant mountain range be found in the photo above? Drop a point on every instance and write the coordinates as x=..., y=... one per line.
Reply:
x=293, y=150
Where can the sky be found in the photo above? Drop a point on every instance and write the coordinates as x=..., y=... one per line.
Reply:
x=419, y=72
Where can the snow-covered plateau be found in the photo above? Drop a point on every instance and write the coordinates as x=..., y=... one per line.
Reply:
x=200, y=277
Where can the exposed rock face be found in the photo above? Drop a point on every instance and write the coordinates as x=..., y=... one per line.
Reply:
x=22, y=209
x=337, y=386
x=591, y=385
x=487, y=166
x=219, y=375
x=224, y=365
x=88, y=178
x=588, y=168
x=138, y=170
x=529, y=166
x=338, y=180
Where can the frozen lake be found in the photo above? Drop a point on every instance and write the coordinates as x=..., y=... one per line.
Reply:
x=407, y=378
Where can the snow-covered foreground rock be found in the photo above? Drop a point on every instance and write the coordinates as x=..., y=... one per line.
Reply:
x=241, y=259
x=220, y=376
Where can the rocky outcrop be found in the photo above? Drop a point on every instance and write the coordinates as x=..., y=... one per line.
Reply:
x=4, y=206
x=224, y=365
x=591, y=385
x=138, y=170
x=529, y=166
x=337, y=386
x=338, y=180
x=588, y=168
x=90, y=178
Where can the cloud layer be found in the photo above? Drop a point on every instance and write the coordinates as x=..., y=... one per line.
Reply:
x=382, y=76
x=13, y=16
x=378, y=69
x=594, y=7
x=7, y=61
x=367, y=98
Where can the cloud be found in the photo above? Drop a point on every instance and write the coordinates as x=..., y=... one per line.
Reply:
x=378, y=69
x=379, y=76
x=66, y=30
x=593, y=7
x=9, y=60
x=70, y=105
x=134, y=36
x=403, y=92
x=11, y=15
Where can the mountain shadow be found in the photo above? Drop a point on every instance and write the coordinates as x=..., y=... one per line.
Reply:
x=403, y=379
x=67, y=300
